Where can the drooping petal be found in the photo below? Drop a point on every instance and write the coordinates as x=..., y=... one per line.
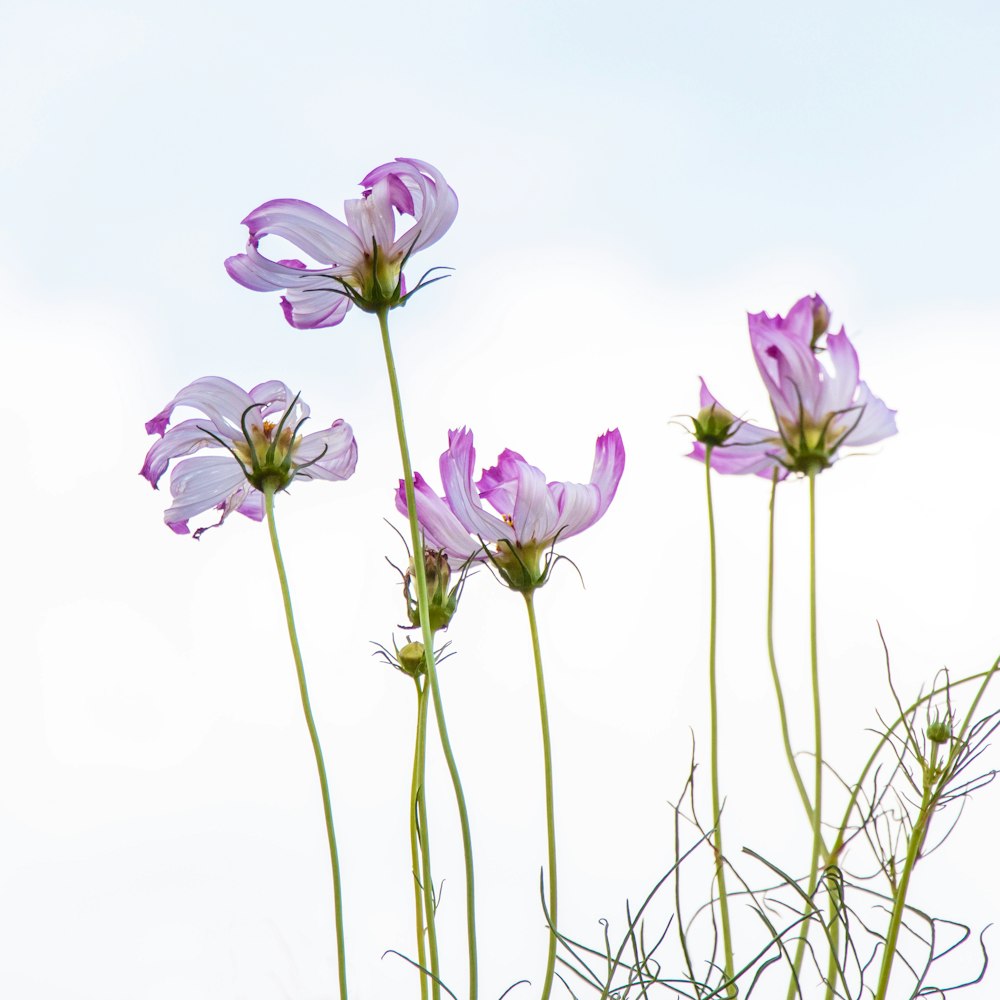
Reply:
x=314, y=310
x=254, y=271
x=442, y=529
x=201, y=483
x=184, y=438
x=456, y=475
x=760, y=458
x=875, y=421
x=330, y=454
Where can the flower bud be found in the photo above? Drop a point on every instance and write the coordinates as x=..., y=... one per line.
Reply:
x=411, y=659
x=442, y=603
x=939, y=732
x=714, y=425
x=821, y=319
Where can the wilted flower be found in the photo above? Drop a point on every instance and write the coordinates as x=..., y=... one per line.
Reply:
x=361, y=260
x=533, y=514
x=259, y=453
x=816, y=393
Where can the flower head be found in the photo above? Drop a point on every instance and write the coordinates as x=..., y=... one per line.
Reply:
x=531, y=514
x=258, y=432
x=818, y=398
x=361, y=260
x=820, y=407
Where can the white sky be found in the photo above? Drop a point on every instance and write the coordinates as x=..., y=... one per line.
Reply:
x=633, y=178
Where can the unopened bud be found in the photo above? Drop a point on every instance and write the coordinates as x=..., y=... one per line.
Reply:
x=821, y=319
x=714, y=425
x=939, y=732
x=411, y=659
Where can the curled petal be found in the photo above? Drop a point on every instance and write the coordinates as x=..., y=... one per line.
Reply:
x=456, y=475
x=875, y=421
x=314, y=309
x=326, y=239
x=330, y=454
x=536, y=513
x=222, y=401
x=185, y=438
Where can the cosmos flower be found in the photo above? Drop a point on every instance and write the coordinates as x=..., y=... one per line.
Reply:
x=819, y=401
x=531, y=514
x=362, y=260
x=258, y=434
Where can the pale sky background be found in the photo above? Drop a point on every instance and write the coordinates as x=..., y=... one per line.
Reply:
x=633, y=177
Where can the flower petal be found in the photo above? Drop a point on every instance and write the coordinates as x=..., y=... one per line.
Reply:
x=183, y=439
x=876, y=421
x=326, y=239
x=333, y=453
x=222, y=401
x=442, y=529
x=199, y=484
x=313, y=310
x=456, y=475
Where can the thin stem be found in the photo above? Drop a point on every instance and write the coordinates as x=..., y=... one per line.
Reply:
x=428, y=640
x=817, y=815
x=782, y=715
x=550, y=816
x=420, y=853
x=720, y=861
x=917, y=836
x=338, y=904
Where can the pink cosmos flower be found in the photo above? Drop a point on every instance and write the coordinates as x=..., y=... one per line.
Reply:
x=258, y=453
x=531, y=514
x=819, y=400
x=361, y=260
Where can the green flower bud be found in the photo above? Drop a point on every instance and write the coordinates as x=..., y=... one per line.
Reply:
x=442, y=603
x=939, y=732
x=714, y=425
x=411, y=659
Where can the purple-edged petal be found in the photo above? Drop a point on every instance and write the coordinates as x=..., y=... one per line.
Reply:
x=185, y=438
x=199, y=484
x=874, y=420
x=313, y=310
x=456, y=475
x=326, y=239
x=535, y=513
x=254, y=271
x=331, y=454
x=222, y=401
x=442, y=529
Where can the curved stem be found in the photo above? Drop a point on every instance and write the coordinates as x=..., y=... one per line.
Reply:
x=917, y=836
x=720, y=861
x=428, y=639
x=420, y=853
x=550, y=816
x=817, y=815
x=338, y=905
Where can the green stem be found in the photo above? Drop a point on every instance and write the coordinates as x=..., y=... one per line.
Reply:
x=338, y=904
x=720, y=861
x=420, y=853
x=428, y=639
x=550, y=816
x=917, y=836
x=817, y=815
x=782, y=714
